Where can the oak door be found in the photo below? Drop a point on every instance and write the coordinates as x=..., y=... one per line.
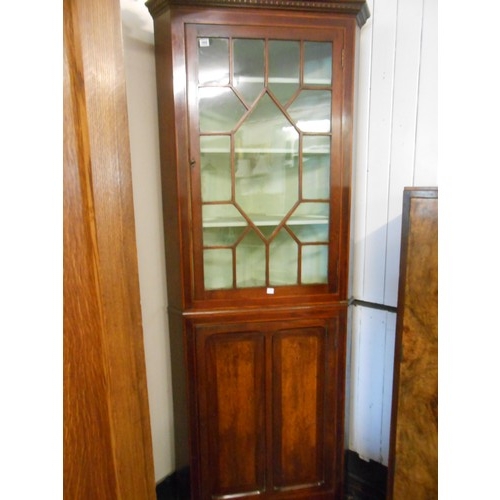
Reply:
x=106, y=433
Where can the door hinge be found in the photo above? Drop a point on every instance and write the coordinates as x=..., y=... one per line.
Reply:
x=342, y=58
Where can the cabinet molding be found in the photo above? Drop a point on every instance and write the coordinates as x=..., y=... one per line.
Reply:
x=358, y=8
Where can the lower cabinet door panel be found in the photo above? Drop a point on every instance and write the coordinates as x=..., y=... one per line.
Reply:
x=298, y=407
x=234, y=413
x=270, y=408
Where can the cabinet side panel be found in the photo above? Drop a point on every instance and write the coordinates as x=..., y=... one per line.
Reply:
x=233, y=404
x=298, y=418
x=169, y=55
x=180, y=392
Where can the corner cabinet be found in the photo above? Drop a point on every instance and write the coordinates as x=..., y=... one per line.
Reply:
x=255, y=114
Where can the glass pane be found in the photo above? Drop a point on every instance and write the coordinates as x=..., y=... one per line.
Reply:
x=267, y=230
x=249, y=68
x=314, y=264
x=266, y=166
x=283, y=260
x=311, y=110
x=317, y=63
x=250, y=262
x=284, y=68
x=221, y=236
x=260, y=182
x=213, y=61
x=215, y=168
x=310, y=212
x=220, y=109
x=218, y=268
x=316, y=167
x=311, y=233
x=222, y=215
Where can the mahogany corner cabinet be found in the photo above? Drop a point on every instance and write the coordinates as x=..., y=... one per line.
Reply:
x=256, y=137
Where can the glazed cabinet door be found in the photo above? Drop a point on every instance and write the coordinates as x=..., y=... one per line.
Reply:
x=265, y=139
x=269, y=410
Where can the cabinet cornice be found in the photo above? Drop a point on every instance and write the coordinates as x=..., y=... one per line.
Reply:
x=357, y=8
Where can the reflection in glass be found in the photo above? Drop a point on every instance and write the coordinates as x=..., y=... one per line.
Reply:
x=283, y=260
x=213, y=61
x=316, y=167
x=317, y=63
x=312, y=110
x=215, y=168
x=250, y=261
x=218, y=268
x=220, y=109
x=314, y=264
x=284, y=68
x=249, y=68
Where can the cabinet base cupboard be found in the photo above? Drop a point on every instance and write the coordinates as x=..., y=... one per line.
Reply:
x=255, y=118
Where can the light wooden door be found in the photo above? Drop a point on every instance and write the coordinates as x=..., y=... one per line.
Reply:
x=107, y=443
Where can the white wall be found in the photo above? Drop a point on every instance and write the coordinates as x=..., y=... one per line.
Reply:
x=396, y=147
x=144, y=146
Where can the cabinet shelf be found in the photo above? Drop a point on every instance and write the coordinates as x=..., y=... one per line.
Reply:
x=264, y=220
x=290, y=81
x=266, y=151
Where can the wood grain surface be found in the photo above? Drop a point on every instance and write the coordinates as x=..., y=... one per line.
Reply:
x=414, y=445
x=107, y=442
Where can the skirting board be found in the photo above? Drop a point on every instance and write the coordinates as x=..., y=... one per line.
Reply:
x=364, y=481
x=174, y=487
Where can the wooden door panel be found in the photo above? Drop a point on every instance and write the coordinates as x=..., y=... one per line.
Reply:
x=265, y=393
x=233, y=405
x=299, y=408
